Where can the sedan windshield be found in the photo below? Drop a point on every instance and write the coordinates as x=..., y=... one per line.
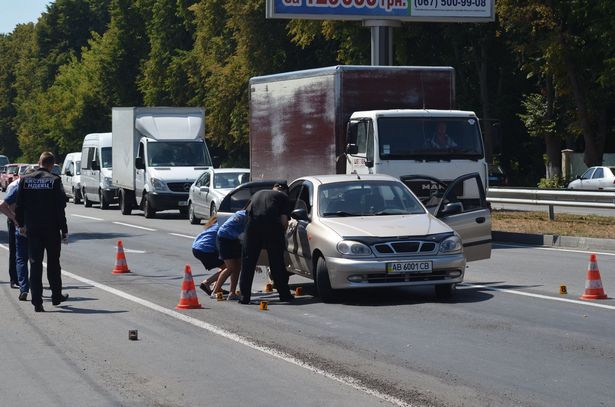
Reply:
x=177, y=154
x=367, y=198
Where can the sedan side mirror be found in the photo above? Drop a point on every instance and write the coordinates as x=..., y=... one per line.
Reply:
x=452, y=208
x=204, y=189
x=300, y=214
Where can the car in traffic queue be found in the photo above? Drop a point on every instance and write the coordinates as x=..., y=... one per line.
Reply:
x=598, y=178
x=351, y=232
x=13, y=172
x=71, y=176
x=209, y=189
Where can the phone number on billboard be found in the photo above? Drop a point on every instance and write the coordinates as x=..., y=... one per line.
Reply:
x=450, y=3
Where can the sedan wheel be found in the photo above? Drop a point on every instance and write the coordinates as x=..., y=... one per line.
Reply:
x=445, y=290
x=323, y=284
x=212, y=210
x=191, y=216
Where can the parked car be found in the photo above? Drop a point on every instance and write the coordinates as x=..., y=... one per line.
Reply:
x=210, y=188
x=595, y=178
x=71, y=176
x=13, y=172
x=351, y=232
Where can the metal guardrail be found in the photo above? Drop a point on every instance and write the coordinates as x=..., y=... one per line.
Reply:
x=552, y=197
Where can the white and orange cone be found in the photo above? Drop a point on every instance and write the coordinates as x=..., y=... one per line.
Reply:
x=593, y=284
x=188, y=298
x=121, y=266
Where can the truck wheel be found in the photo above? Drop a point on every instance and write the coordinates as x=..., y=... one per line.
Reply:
x=444, y=290
x=323, y=284
x=86, y=201
x=125, y=203
x=76, y=196
x=148, y=211
x=103, y=203
x=191, y=216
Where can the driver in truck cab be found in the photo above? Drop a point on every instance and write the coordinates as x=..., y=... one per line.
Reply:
x=440, y=139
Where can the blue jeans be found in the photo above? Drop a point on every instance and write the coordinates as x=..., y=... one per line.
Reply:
x=21, y=262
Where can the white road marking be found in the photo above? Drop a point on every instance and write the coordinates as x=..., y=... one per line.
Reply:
x=86, y=217
x=135, y=226
x=135, y=251
x=554, y=249
x=543, y=297
x=346, y=380
x=180, y=235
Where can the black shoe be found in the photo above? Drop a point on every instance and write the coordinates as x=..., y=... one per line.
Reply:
x=205, y=288
x=287, y=298
x=244, y=300
x=23, y=296
x=62, y=298
x=14, y=285
x=39, y=308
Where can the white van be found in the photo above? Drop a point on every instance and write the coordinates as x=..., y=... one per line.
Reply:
x=71, y=176
x=96, y=170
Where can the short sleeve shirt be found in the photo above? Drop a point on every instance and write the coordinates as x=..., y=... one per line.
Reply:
x=268, y=206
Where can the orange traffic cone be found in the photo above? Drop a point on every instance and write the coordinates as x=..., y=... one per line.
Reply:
x=188, y=298
x=593, y=284
x=121, y=266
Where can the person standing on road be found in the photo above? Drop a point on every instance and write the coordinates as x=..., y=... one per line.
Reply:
x=229, y=245
x=268, y=216
x=6, y=209
x=41, y=217
x=205, y=249
x=20, y=242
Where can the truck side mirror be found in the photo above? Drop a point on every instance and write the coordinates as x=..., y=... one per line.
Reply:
x=215, y=161
x=352, y=149
x=369, y=164
x=352, y=131
x=95, y=166
x=139, y=163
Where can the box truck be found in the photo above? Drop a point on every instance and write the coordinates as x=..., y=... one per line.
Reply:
x=399, y=121
x=158, y=152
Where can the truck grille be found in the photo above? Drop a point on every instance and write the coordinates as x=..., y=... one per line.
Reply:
x=179, y=186
x=410, y=247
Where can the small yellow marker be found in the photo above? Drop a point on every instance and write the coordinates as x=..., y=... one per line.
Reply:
x=220, y=296
x=263, y=306
x=563, y=290
x=269, y=288
x=298, y=291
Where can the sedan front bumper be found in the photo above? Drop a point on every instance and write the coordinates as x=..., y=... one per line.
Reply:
x=345, y=273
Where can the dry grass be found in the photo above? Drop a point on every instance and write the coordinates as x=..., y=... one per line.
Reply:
x=563, y=225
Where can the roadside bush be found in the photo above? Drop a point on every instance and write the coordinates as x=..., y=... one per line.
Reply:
x=553, y=182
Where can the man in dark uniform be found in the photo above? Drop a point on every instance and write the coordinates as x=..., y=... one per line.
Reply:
x=268, y=215
x=41, y=217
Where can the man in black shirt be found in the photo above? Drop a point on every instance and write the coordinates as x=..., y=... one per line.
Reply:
x=268, y=215
x=41, y=217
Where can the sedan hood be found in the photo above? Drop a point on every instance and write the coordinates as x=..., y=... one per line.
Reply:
x=386, y=226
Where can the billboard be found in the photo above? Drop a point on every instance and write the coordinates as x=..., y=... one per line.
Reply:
x=400, y=10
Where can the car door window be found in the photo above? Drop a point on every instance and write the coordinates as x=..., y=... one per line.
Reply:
x=587, y=174
x=599, y=173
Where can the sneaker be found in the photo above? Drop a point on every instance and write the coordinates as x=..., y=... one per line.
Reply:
x=244, y=300
x=233, y=297
x=23, y=296
x=205, y=288
x=62, y=298
x=39, y=308
x=14, y=285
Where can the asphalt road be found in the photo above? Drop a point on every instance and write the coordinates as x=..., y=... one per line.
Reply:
x=507, y=338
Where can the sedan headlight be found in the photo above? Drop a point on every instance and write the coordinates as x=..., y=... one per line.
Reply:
x=158, y=185
x=350, y=248
x=451, y=245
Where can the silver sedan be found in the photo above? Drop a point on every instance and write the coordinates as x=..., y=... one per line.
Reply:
x=210, y=188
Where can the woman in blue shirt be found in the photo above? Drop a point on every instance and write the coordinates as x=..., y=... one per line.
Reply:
x=205, y=249
x=229, y=246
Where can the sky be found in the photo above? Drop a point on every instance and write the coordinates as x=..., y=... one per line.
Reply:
x=13, y=12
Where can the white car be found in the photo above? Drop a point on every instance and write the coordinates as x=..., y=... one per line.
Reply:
x=71, y=176
x=595, y=178
x=210, y=188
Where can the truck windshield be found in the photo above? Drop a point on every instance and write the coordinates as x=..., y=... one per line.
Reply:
x=367, y=198
x=105, y=154
x=177, y=154
x=429, y=138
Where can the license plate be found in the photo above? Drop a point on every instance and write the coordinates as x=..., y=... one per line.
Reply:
x=410, y=267
x=182, y=203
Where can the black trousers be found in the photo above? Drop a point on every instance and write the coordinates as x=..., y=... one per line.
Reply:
x=12, y=252
x=40, y=242
x=257, y=239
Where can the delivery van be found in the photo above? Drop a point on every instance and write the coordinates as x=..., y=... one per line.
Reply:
x=96, y=175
